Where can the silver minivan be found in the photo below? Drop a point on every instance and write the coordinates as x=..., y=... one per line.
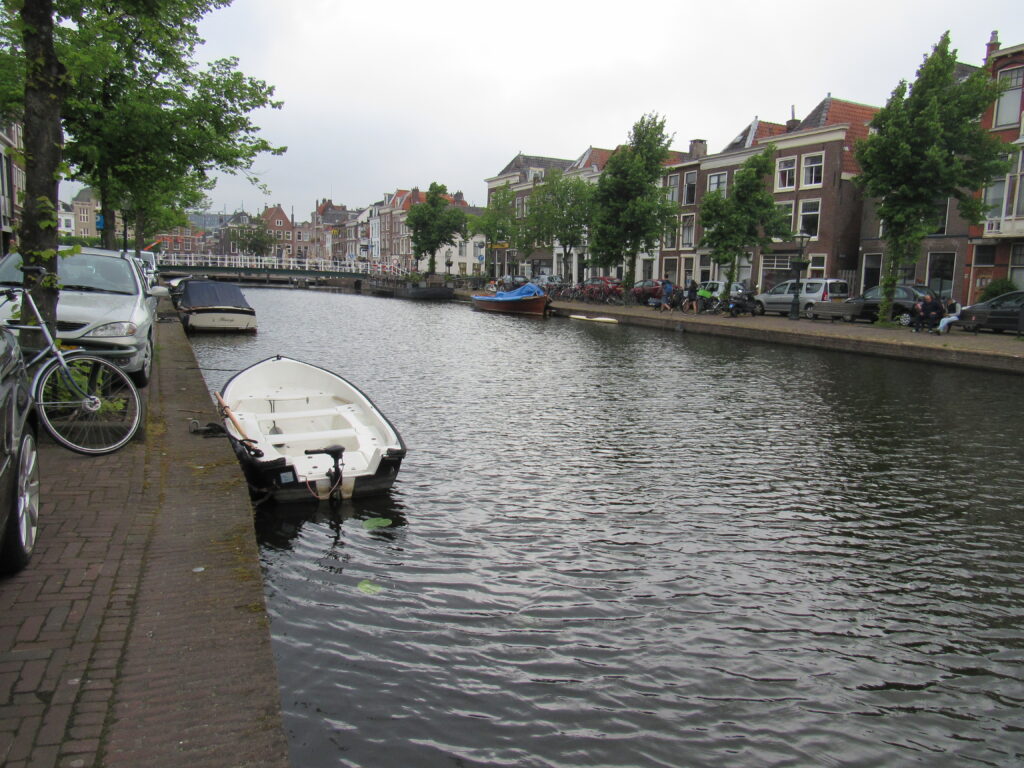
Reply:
x=780, y=298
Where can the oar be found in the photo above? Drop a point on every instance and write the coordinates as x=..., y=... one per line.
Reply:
x=247, y=442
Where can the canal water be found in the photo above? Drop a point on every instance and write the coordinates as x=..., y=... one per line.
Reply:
x=614, y=546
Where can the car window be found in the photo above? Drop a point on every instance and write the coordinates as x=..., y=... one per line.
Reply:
x=812, y=287
x=87, y=272
x=873, y=293
x=780, y=288
x=1007, y=301
x=902, y=293
x=838, y=287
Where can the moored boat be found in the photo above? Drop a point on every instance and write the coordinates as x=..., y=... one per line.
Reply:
x=300, y=431
x=527, y=299
x=207, y=305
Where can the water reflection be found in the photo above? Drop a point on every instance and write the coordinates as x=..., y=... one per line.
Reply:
x=615, y=546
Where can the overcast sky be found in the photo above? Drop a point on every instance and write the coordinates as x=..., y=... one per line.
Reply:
x=379, y=96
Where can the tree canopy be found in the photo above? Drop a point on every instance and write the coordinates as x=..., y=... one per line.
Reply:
x=631, y=212
x=560, y=211
x=744, y=218
x=927, y=145
x=434, y=223
x=498, y=222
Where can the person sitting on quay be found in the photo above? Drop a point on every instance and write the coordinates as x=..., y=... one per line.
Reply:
x=952, y=316
x=929, y=313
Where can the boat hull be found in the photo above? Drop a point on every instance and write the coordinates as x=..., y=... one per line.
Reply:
x=282, y=415
x=530, y=305
x=219, y=319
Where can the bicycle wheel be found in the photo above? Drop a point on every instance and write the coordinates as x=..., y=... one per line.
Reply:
x=100, y=423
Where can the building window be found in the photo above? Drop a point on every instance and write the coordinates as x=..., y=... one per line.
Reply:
x=672, y=187
x=810, y=211
x=813, y=166
x=279, y=223
x=669, y=242
x=984, y=255
x=288, y=235
x=689, y=188
x=686, y=230
x=994, y=196
x=718, y=182
x=786, y=209
x=1008, y=106
x=1017, y=265
x=785, y=176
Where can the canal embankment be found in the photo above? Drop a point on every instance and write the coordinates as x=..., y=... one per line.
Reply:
x=138, y=635
x=983, y=351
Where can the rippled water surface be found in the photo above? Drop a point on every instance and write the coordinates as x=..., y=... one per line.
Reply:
x=614, y=546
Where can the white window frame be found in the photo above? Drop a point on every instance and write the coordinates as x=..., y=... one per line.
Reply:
x=279, y=223
x=805, y=167
x=690, y=188
x=790, y=171
x=801, y=213
x=1008, y=106
x=792, y=208
x=685, y=226
x=672, y=187
x=721, y=183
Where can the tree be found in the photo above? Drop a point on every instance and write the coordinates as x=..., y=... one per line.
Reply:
x=560, y=211
x=927, y=146
x=497, y=223
x=744, y=218
x=254, y=238
x=433, y=223
x=630, y=211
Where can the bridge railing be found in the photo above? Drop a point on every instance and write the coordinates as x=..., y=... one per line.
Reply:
x=259, y=263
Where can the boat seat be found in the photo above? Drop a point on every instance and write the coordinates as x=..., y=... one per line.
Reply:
x=326, y=436
x=312, y=413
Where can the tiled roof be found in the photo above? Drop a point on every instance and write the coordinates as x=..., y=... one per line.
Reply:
x=522, y=162
x=593, y=158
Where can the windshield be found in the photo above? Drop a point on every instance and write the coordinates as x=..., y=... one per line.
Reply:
x=80, y=272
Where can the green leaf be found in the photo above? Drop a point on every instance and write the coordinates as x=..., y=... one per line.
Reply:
x=367, y=587
x=376, y=522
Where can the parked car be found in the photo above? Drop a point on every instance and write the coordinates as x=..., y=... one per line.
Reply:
x=105, y=306
x=715, y=287
x=548, y=281
x=904, y=299
x=1003, y=313
x=814, y=289
x=511, y=282
x=601, y=287
x=646, y=290
x=19, y=465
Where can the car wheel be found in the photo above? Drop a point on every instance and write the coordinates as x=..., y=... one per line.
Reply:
x=141, y=377
x=759, y=308
x=848, y=318
x=809, y=311
x=903, y=317
x=23, y=522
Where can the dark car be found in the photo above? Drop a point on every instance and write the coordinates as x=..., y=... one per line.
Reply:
x=904, y=299
x=511, y=282
x=1003, y=313
x=19, y=464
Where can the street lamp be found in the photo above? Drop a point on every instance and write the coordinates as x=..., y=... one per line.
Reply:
x=799, y=265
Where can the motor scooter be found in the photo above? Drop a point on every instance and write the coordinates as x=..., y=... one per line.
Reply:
x=741, y=303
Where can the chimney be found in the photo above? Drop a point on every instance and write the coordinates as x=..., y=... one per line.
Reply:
x=698, y=147
x=792, y=123
x=993, y=45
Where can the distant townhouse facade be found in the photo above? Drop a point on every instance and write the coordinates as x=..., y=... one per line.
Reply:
x=997, y=247
x=181, y=242
x=12, y=183
x=281, y=229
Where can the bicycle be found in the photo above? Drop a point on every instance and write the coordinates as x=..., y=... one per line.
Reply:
x=86, y=403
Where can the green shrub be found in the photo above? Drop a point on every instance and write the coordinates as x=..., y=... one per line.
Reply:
x=998, y=288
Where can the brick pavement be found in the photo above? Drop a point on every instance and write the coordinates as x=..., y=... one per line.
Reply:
x=138, y=634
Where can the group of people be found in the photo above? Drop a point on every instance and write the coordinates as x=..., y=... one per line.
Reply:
x=689, y=297
x=931, y=316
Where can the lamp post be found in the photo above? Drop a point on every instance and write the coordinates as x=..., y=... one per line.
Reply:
x=799, y=265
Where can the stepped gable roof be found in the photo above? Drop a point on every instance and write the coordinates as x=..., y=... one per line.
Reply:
x=523, y=163
x=594, y=158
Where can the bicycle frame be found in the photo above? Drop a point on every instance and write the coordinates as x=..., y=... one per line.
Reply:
x=50, y=351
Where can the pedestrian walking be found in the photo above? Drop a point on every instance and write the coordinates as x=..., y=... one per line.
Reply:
x=666, y=295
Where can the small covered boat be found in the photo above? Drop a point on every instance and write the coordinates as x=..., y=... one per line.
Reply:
x=207, y=305
x=299, y=431
x=527, y=299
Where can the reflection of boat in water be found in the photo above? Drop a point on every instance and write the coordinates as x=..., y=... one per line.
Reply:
x=424, y=292
x=301, y=431
x=277, y=526
x=527, y=299
x=594, y=319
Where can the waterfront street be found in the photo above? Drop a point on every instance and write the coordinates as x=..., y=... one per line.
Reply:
x=138, y=635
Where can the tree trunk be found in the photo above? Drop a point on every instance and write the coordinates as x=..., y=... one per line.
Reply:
x=109, y=233
x=44, y=98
